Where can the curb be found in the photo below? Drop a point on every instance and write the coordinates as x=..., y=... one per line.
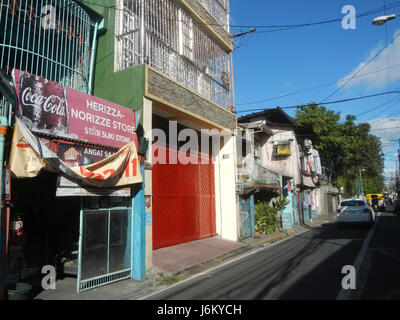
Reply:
x=272, y=238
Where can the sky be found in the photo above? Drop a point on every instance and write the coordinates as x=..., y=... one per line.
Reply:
x=325, y=62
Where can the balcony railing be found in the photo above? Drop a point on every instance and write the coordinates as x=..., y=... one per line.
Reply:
x=219, y=9
x=164, y=36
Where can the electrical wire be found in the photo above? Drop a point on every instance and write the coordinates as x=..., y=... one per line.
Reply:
x=316, y=87
x=329, y=102
x=274, y=27
x=359, y=70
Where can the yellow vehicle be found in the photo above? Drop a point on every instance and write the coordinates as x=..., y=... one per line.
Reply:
x=375, y=200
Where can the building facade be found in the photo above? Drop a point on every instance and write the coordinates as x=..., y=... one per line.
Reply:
x=284, y=152
x=171, y=60
x=50, y=120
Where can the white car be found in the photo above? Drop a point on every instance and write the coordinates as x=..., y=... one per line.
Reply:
x=355, y=211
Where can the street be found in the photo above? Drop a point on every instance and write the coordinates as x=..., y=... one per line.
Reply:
x=306, y=266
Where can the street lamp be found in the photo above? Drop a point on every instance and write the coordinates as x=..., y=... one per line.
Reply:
x=362, y=190
x=378, y=21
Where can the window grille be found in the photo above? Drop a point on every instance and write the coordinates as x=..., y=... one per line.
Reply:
x=219, y=9
x=48, y=38
x=164, y=36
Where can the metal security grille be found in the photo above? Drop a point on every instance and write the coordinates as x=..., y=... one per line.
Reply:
x=105, y=247
x=219, y=9
x=163, y=35
x=183, y=201
x=48, y=38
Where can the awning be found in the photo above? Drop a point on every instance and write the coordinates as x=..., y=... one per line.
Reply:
x=283, y=138
x=29, y=156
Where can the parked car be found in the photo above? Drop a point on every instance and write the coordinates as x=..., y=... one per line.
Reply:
x=355, y=211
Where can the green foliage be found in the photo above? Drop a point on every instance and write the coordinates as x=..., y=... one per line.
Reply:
x=265, y=216
x=165, y=279
x=345, y=147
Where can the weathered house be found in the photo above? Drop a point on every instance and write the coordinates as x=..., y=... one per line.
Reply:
x=253, y=178
x=284, y=152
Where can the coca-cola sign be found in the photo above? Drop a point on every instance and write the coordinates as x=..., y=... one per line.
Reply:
x=48, y=107
x=52, y=103
x=42, y=104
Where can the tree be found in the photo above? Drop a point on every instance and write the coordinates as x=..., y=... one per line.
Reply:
x=345, y=147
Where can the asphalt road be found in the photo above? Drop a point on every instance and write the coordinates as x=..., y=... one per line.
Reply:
x=306, y=266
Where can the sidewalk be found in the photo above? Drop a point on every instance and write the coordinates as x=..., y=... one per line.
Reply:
x=170, y=265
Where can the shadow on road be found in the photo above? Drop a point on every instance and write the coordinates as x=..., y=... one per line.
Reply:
x=380, y=269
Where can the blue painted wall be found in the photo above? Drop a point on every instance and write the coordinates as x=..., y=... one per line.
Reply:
x=295, y=208
x=246, y=205
x=139, y=233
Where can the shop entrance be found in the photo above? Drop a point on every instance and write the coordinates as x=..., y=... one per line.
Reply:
x=105, y=244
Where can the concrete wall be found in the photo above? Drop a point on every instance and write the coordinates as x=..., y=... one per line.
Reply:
x=147, y=126
x=286, y=165
x=227, y=214
x=329, y=202
x=173, y=94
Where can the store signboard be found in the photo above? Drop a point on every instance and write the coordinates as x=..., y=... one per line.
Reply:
x=48, y=107
x=29, y=155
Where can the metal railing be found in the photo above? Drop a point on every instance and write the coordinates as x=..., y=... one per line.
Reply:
x=48, y=38
x=219, y=9
x=164, y=36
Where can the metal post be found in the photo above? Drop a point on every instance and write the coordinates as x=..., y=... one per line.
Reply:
x=362, y=191
x=2, y=234
x=92, y=57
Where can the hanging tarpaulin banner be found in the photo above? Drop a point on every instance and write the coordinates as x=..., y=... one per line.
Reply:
x=48, y=107
x=29, y=156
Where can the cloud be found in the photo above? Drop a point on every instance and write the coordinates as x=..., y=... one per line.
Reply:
x=375, y=74
x=386, y=129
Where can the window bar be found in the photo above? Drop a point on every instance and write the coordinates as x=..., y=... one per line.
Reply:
x=65, y=42
x=74, y=48
x=52, y=44
x=17, y=38
x=11, y=37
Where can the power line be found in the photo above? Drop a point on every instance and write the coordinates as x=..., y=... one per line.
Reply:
x=275, y=27
x=316, y=87
x=380, y=106
x=291, y=26
x=329, y=102
x=359, y=70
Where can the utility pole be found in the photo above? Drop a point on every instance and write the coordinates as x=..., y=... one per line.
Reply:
x=362, y=190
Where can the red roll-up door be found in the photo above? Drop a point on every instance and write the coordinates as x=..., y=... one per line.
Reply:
x=183, y=200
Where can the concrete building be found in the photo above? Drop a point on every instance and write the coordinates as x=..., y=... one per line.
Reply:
x=170, y=61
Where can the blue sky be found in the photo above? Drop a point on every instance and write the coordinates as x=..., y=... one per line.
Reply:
x=271, y=64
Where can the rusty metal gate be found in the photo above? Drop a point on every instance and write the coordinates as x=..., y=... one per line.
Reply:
x=183, y=200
